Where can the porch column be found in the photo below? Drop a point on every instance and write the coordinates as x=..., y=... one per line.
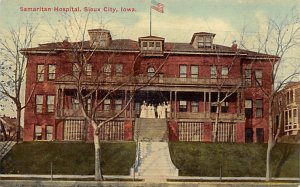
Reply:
x=58, y=97
x=170, y=103
x=130, y=106
x=238, y=103
x=175, y=106
x=204, y=103
x=125, y=102
x=209, y=103
x=62, y=102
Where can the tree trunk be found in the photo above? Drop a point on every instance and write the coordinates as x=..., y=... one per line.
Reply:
x=3, y=132
x=18, y=129
x=98, y=171
x=271, y=144
x=215, y=129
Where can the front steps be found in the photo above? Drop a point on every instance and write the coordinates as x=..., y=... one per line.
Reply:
x=153, y=161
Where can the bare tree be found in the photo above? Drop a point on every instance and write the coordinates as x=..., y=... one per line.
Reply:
x=279, y=39
x=13, y=65
x=221, y=77
x=91, y=89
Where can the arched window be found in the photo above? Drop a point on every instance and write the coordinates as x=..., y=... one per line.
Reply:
x=150, y=72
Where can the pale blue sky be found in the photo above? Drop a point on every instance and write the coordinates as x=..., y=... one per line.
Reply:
x=180, y=20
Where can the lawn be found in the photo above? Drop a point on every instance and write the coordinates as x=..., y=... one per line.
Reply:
x=192, y=159
x=234, y=160
x=68, y=158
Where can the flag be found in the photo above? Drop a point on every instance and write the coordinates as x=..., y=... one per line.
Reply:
x=159, y=7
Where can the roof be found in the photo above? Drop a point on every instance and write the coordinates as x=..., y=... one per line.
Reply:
x=123, y=45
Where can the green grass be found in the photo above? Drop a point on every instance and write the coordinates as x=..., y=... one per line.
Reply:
x=192, y=159
x=68, y=158
x=236, y=160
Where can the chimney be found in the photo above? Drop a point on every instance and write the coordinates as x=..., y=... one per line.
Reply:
x=99, y=38
x=234, y=46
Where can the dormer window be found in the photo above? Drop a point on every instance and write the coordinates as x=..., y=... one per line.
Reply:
x=99, y=38
x=151, y=45
x=204, y=42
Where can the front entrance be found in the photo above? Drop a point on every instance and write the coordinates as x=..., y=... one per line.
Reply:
x=152, y=104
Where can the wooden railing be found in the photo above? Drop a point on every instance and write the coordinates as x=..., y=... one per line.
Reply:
x=155, y=80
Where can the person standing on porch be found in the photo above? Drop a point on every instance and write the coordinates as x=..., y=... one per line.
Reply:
x=159, y=110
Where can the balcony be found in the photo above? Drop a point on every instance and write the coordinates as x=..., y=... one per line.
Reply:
x=140, y=80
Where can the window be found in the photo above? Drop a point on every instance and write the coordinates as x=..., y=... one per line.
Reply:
x=107, y=69
x=260, y=135
x=182, y=71
x=51, y=72
x=49, y=132
x=213, y=72
x=157, y=45
x=89, y=105
x=118, y=104
x=259, y=108
x=151, y=45
x=40, y=72
x=38, y=132
x=106, y=105
x=50, y=103
x=194, y=106
x=39, y=103
x=248, y=108
x=194, y=72
x=145, y=45
x=182, y=106
x=204, y=42
x=295, y=116
x=76, y=69
x=258, y=77
x=213, y=107
x=248, y=77
x=224, y=72
x=88, y=69
x=249, y=135
x=224, y=107
x=150, y=72
x=119, y=69
x=75, y=103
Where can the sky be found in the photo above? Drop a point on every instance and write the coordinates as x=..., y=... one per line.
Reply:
x=226, y=18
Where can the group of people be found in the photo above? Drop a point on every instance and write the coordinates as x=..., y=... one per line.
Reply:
x=151, y=111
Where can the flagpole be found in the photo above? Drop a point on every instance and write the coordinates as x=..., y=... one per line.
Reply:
x=150, y=18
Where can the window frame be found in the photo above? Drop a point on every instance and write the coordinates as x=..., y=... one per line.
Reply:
x=182, y=107
x=40, y=76
x=224, y=72
x=47, y=132
x=259, y=108
x=150, y=73
x=213, y=72
x=194, y=75
x=51, y=75
x=50, y=106
x=248, y=77
x=38, y=132
x=119, y=69
x=248, y=110
x=107, y=105
x=39, y=104
x=258, y=80
x=182, y=74
x=107, y=69
x=118, y=104
x=194, y=105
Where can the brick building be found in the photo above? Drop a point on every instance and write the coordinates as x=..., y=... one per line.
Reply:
x=286, y=109
x=190, y=80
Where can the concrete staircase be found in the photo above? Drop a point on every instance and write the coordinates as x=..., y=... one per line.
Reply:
x=5, y=147
x=153, y=161
x=151, y=130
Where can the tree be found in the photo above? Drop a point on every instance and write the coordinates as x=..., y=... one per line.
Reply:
x=279, y=39
x=91, y=89
x=221, y=77
x=13, y=65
